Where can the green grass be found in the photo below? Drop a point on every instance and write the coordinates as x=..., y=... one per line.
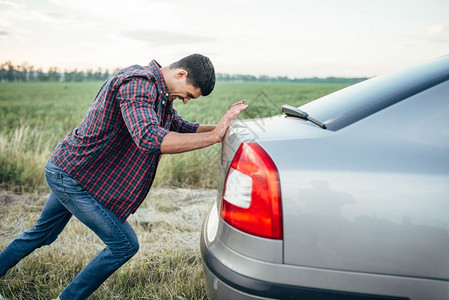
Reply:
x=35, y=116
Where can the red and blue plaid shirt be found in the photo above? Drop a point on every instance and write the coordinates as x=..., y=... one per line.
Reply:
x=115, y=151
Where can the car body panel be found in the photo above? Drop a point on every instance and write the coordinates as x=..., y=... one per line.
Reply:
x=250, y=271
x=357, y=203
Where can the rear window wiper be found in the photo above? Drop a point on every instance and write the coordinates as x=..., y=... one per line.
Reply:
x=292, y=111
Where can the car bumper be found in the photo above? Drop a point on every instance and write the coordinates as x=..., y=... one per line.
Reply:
x=231, y=275
x=223, y=283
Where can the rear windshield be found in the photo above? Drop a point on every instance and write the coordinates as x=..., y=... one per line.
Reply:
x=347, y=106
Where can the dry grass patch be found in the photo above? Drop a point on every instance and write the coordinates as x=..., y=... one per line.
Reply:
x=167, y=265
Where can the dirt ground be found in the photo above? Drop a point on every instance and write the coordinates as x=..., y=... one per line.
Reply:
x=167, y=224
x=181, y=209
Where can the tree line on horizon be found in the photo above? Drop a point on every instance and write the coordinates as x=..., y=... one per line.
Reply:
x=25, y=72
x=29, y=73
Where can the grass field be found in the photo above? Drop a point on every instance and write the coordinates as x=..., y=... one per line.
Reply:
x=35, y=116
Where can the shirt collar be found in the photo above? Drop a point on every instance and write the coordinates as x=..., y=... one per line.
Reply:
x=155, y=67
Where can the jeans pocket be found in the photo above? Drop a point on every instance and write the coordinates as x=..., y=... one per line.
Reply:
x=55, y=182
x=71, y=185
x=52, y=174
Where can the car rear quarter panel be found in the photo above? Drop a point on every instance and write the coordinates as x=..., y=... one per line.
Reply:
x=372, y=197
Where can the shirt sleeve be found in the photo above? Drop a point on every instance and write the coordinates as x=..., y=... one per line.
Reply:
x=180, y=125
x=137, y=98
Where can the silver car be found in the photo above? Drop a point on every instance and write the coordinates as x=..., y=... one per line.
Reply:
x=346, y=197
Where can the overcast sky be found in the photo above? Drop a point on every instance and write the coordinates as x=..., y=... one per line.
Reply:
x=295, y=38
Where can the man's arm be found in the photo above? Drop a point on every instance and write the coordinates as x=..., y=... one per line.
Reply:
x=206, y=135
x=136, y=98
x=205, y=128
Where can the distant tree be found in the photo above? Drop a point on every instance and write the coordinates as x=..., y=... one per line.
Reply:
x=54, y=74
x=264, y=78
x=74, y=75
x=41, y=76
x=106, y=75
x=90, y=75
x=33, y=73
x=116, y=70
x=3, y=72
x=98, y=75
x=282, y=78
x=66, y=75
x=223, y=77
x=10, y=72
x=21, y=72
x=29, y=70
x=26, y=72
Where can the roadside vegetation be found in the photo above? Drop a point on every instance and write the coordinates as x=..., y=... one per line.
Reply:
x=34, y=116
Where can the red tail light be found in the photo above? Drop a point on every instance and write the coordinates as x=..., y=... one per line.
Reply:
x=251, y=195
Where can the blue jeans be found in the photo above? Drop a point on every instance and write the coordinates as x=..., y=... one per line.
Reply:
x=68, y=198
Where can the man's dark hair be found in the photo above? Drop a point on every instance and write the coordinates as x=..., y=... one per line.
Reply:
x=201, y=72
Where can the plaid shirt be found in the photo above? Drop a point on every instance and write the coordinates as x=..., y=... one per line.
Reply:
x=115, y=151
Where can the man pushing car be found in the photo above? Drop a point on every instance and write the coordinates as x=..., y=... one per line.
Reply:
x=103, y=170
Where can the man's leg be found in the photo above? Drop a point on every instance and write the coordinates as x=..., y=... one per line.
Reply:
x=120, y=239
x=52, y=221
x=121, y=244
